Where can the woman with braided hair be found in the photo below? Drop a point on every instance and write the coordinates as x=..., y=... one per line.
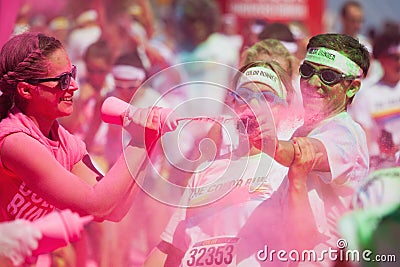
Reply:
x=42, y=166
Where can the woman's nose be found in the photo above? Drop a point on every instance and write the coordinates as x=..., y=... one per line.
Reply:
x=73, y=85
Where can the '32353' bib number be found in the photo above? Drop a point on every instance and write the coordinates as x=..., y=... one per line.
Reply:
x=212, y=252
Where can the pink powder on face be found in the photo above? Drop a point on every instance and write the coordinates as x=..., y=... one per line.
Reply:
x=248, y=125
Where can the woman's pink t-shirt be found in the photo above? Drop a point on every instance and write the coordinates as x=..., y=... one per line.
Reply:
x=17, y=201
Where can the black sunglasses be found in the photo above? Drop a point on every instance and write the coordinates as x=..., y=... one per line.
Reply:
x=63, y=79
x=327, y=76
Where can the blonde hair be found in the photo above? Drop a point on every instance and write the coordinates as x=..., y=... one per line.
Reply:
x=274, y=50
x=275, y=67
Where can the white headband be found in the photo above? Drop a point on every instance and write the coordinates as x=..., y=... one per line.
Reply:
x=333, y=59
x=265, y=76
x=128, y=73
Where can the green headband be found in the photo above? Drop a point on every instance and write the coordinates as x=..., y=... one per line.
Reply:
x=333, y=59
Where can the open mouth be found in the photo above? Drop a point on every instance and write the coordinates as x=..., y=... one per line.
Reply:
x=312, y=94
x=67, y=99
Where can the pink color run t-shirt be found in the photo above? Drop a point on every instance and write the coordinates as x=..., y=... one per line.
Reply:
x=17, y=200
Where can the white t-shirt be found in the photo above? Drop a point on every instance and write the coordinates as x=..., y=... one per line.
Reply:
x=330, y=193
x=377, y=108
x=234, y=189
x=246, y=227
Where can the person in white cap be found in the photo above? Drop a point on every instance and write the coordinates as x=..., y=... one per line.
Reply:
x=126, y=242
x=86, y=32
x=127, y=81
x=129, y=87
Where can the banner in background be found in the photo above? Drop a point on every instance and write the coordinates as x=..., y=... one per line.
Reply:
x=310, y=12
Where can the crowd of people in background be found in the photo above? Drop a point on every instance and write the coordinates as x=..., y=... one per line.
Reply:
x=119, y=51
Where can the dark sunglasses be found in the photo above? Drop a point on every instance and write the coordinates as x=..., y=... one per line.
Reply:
x=244, y=95
x=327, y=76
x=63, y=79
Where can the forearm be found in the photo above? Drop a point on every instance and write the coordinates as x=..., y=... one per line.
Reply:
x=284, y=153
x=301, y=217
x=114, y=193
x=156, y=258
x=298, y=202
x=126, y=201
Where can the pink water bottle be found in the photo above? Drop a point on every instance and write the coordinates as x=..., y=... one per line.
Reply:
x=58, y=229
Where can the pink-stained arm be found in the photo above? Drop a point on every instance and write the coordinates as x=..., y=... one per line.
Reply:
x=155, y=258
x=284, y=154
x=64, y=189
x=123, y=206
x=303, y=228
x=86, y=170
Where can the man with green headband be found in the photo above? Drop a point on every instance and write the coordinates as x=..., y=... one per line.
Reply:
x=329, y=138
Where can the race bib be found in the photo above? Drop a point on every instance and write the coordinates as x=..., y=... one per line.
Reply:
x=212, y=252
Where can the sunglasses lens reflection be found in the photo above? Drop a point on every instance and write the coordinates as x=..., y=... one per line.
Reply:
x=306, y=71
x=65, y=79
x=328, y=76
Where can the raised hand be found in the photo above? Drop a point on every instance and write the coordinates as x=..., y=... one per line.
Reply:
x=147, y=125
x=145, y=117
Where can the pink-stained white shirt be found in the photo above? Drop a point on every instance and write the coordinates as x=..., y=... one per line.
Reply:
x=17, y=201
x=243, y=227
x=224, y=200
x=331, y=193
